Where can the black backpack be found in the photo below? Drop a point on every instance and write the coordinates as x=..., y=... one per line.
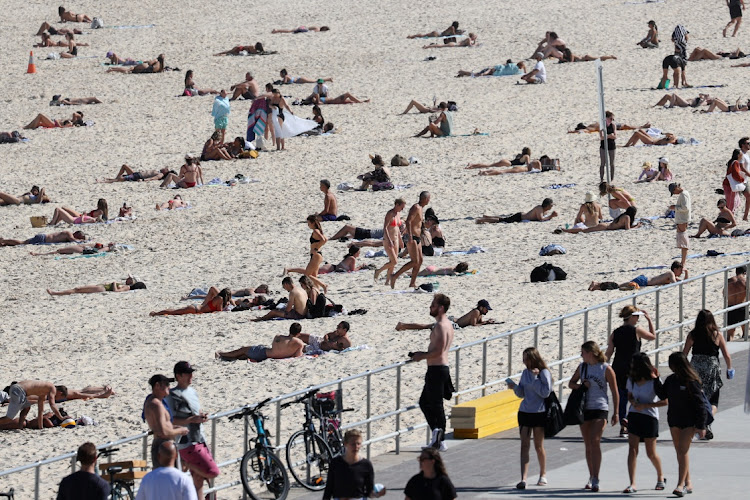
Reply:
x=547, y=272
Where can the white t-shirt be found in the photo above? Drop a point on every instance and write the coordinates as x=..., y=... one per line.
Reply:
x=745, y=161
x=542, y=74
x=320, y=89
x=166, y=483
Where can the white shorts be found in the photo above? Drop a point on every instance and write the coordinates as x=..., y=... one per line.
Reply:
x=682, y=240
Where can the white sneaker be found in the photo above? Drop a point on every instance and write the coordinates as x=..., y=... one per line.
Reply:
x=434, y=440
x=442, y=446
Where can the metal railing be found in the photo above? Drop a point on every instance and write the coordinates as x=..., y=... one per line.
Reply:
x=669, y=321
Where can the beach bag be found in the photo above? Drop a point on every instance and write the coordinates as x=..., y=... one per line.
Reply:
x=97, y=23
x=554, y=421
x=547, y=272
x=573, y=414
x=399, y=161
x=737, y=187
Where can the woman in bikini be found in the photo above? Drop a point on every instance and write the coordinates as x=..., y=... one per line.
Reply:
x=620, y=197
x=215, y=301
x=720, y=227
x=317, y=240
x=461, y=268
x=646, y=139
x=43, y=121
x=47, y=42
x=523, y=158
x=82, y=249
x=392, y=238
x=533, y=166
x=651, y=40
x=235, y=51
x=153, y=66
x=35, y=195
x=175, y=202
x=66, y=214
x=451, y=30
x=190, y=175
x=190, y=89
x=347, y=265
x=674, y=100
x=726, y=107
x=623, y=221
x=590, y=213
x=67, y=16
x=130, y=284
x=214, y=149
x=568, y=56
x=72, y=48
x=285, y=78
x=471, y=41
x=301, y=29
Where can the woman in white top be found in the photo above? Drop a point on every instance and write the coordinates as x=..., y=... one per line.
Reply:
x=597, y=374
x=534, y=387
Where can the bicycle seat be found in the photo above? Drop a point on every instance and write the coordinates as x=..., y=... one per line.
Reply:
x=113, y=470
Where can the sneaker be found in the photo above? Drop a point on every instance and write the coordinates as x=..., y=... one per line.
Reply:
x=588, y=484
x=442, y=446
x=434, y=440
x=623, y=432
x=709, y=434
x=521, y=485
x=595, y=484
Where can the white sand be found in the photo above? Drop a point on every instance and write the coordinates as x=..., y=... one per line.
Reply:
x=245, y=235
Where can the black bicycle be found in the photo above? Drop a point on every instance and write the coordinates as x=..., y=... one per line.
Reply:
x=262, y=471
x=10, y=494
x=120, y=489
x=326, y=407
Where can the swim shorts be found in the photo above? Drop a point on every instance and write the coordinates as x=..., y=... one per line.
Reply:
x=329, y=217
x=641, y=281
x=190, y=184
x=362, y=234
x=39, y=239
x=257, y=353
x=199, y=456
x=293, y=315
x=736, y=316
x=249, y=95
x=313, y=345
x=220, y=122
x=134, y=177
x=18, y=400
x=735, y=11
x=673, y=61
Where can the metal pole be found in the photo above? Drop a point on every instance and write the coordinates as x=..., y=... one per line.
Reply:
x=369, y=414
x=586, y=326
x=656, y=341
x=703, y=293
x=213, y=437
x=458, y=373
x=682, y=311
x=72, y=464
x=510, y=355
x=536, y=336
x=484, y=367
x=398, y=407
x=145, y=448
x=726, y=298
x=560, y=353
x=609, y=320
x=603, y=120
x=36, y=482
x=278, y=423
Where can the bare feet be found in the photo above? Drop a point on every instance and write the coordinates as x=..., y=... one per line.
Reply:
x=152, y=313
x=217, y=355
x=50, y=292
x=377, y=274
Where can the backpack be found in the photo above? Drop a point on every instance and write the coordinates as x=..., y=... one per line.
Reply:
x=547, y=272
x=97, y=23
x=399, y=161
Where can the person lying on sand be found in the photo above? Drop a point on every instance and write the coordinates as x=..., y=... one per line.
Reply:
x=671, y=276
x=296, y=307
x=153, y=66
x=622, y=221
x=67, y=16
x=33, y=196
x=43, y=121
x=82, y=249
x=286, y=79
x=449, y=31
x=57, y=31
x=345, y=98
x=700, y=54
x=720, y=227
x=19, y=404
x=337, y=340
x=58, y=100
x=471, y=318
x=190, y=175
x=442, y=125
x=646, y=139
x=357, y=233
x=508, y=69
x=127, y=174
x=543, y=164
x=43, y=239
x=250, y=49
x=347, y=265
x=88, y=392
x=215, y=301
x=569, y=57
x=130, y=284
x=460, y=268
x=538, y=214
x=522, y=158
x=67, y=214
x=674, y=100
x=175, y=202
x=594, y=127
x=470, y=41
x=720, y=105
x=47, y=42
x=283, y=346
x=301, y=29
x=240, y=292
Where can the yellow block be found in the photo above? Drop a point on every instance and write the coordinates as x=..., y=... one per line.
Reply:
x=472, y=408
x=488, y=430
x=127, y=475
x=485, y=416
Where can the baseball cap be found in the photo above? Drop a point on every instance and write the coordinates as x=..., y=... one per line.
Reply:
x=672, y=187
x=663, y=159
x=320, y=80
x=110, y=54
x=159, y=379
x=485, y=304
x=183, y=367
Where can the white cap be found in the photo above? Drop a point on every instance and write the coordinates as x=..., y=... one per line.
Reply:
x=663, y=159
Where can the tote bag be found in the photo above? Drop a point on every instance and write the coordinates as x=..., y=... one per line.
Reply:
x=574, y=408
x=554, y=421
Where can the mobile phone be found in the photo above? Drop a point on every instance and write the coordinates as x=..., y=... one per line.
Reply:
x=509, y=381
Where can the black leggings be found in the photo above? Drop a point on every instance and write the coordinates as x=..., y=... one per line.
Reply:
x=437, y=385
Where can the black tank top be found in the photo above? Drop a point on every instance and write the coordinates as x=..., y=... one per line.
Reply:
x=626, y=344
x=701, y=345
x=610, y=142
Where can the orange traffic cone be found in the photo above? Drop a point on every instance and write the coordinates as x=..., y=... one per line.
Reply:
x=32, y=66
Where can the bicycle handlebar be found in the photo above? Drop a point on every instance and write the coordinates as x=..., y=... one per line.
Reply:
x=250, y=411
x=107, y=452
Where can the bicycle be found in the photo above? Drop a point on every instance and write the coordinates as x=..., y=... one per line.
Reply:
x=324, y=406
x=10, y=494
x=120, y=488
x=262, y=471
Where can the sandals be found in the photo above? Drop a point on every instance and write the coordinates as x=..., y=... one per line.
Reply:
x=542, y=481
x=629, y=489
x=679, y=492
x=521, y=485
x=661, y=484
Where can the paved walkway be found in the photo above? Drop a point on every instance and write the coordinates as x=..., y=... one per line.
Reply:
x=489, y=468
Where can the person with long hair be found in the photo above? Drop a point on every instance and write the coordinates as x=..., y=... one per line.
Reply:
x=590, y=213
x=620, y=198
x=595, y=374
x=33, y=196
x=392, y=241
x=67, y=214
x=130, y=284
x=534, y=387
x=190, y=89
x=215, y=301
x=624, y=342
x=432, y=482
x=721, y=225
x=350, y=475
x=739, y=174
x=686, y=414
x=317, y=240
x=705, y=341
x=643, y=418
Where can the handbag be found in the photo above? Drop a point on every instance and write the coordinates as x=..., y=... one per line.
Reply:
x=736, y=186
x=554, y=421
x=709, y=410
x=576, y=401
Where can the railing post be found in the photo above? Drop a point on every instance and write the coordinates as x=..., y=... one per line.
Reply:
x=278, y=423
x=586, y=325
x=656, y=321
x=369, y=414
x=510, y=355
x=458, y=373
x=72, y=464
x=213, y=437
x=37, y=471
x=745, y=327
x=484, y=367
x=726, y=298
x=536, y=336
x=682, y=311
x=560, y=352
x=145, y=448
x=398, y=407
x=703, y=293
x=609, y=320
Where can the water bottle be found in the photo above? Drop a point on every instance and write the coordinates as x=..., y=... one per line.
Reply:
x=730, y=374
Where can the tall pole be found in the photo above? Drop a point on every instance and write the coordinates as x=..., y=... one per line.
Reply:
x=603, y=118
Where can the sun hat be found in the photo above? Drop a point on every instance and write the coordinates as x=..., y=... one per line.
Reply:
x=590, y=197
x=646, y=165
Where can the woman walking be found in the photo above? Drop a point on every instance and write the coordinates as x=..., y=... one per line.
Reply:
x=685, y=415
x=705, y=340
x=595, y=374
x=392, y=226
x=534, y=387
x=643, y=419
x=432, y=482
x=349, y=475
x=624, y=342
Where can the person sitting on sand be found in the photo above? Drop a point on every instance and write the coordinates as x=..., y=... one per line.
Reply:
x=43, y=121
x=539, y=73
x=646, y=139
x=301, y=29
x=543, y=164
x=67, y=214
x=451, y=30
x=130, y=284
x=569, y=57
x=214, y=148
x=190, y=89
x=651, y=40
x=153, y=66
x=91, y=249
x=315, y=306
x=67, y=16
x=460, y=268
x=337, y=340
x=295, y=306
x=380, y=175
x=44, y=239
x=508, y=69
x=619, y=197
x=286, y=79
x=719, y=227
x=522, y=158
x=175, y=202
x=671, y=276
x=721, y=105
x=127, y=174
x=190, y=175
x=330, y=204
x=442, y=126
x=648, y=173
x=237, y=49
x=248, y=89
x=282, y=347
x=538, y=214
x=471, y=318
x=469, y=41
x=622, y=221
x=590, y=213
x=551, y=45
x=33, y=196
x=72, y=48
x=347, y=265
x=57, y=31
x=215, y=301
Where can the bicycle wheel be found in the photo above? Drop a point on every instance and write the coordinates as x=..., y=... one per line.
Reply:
x=334, y=440
x=308, y=457
x=121, y=491
x=263, y=476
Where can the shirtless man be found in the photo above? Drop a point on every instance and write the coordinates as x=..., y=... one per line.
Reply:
x=94, y=248
x=157, y=417
x=284, y=346
x=330, y=204
x=295, y=307
x=414, y=227
x=337, y=340
x=190, y=176
x=20, y=396
x=538, y=213
x=471, y=318
x=675, y=274
x=41, y=239
x=737, y=288
x=437, y=381
x=247, y=89
x=127, y=174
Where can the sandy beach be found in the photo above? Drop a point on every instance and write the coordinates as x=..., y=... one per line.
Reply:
x=244, y=235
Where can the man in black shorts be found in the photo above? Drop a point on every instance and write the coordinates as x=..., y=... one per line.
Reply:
x=538, y=213
x=735, y=13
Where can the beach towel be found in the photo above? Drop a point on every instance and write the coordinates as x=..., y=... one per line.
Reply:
x=264, y=53
x=553, y=249
x=560, y=186
x=257, y=118
x=130, y=26
x=291, y=126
